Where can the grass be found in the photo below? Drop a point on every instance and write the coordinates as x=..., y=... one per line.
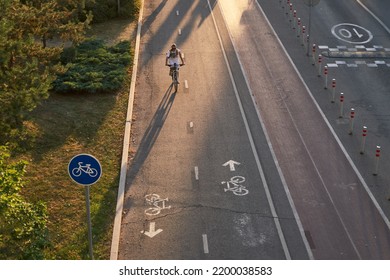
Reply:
x=64, y=126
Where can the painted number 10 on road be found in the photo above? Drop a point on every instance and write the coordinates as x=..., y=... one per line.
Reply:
x=352, y=33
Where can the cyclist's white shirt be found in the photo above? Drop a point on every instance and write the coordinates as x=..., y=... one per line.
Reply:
x=173, y=60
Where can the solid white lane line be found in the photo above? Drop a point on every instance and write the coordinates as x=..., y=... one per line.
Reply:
x=205, y=244
x=374, y=16
x=253, y=147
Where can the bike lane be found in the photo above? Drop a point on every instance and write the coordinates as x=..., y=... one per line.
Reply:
x=338, y=216
x=193, y=188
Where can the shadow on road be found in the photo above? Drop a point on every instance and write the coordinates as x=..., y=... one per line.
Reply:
x=151, y=133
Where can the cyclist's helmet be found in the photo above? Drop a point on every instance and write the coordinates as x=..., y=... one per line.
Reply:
x=173, y=51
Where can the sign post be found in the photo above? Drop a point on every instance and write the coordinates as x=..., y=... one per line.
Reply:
x=85, y=169
x=87, y=203
x=310, y=3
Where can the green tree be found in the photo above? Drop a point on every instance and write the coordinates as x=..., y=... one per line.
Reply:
x=23, y=83
x=23, y=231
x=27, y=65
x=48, y=19
x=104, y=10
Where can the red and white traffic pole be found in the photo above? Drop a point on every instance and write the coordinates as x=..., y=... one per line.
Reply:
x=313, y=54
x=351, y=120
x=303, y=35
x=319, y=64
x=298, y=26
x=326, y=76
x=307, y=44
x=341, y=105
x=294, y=18
x=364, y=135
x=377, y=156
x=333, y=89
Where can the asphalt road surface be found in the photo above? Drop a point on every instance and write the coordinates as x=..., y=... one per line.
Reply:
x=249, y=159
x=363, y=80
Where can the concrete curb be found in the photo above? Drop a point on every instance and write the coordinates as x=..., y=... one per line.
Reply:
x=126, y=144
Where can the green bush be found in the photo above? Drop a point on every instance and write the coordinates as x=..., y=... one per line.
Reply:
x=94, y=68
x=23, y=231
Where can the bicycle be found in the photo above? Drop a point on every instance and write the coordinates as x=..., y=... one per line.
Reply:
x=175, y=73
x=237, y=188
x=155, y=200
x=92, y=172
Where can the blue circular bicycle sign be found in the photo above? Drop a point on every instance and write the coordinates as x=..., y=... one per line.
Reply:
x=84, y=169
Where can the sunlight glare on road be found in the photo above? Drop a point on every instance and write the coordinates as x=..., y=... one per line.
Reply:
x=235, y=15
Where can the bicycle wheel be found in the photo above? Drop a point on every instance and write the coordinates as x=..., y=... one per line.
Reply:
x=237, y=179
x=240, y=191
x=174, y=80
x=93, y=172
x=76, y=172
x=152, y=211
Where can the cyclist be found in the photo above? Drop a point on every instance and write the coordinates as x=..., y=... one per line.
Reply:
x=172, y=58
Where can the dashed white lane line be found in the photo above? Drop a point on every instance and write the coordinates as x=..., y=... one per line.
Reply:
x=196, y=170
x=205, y=244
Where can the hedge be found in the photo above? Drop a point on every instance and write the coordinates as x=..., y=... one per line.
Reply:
x=94, y=67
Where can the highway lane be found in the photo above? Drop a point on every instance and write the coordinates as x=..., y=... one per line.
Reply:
x=365, y=87
x=363, y=81
x=179, y=200
x=379, y=10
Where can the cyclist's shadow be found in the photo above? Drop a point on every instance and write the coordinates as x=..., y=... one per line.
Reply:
x=151, y=134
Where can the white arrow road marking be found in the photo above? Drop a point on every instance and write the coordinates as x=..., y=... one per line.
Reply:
x=231, y=164
x=152, y=230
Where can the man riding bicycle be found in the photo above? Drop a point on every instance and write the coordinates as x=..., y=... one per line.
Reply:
x=172, y=59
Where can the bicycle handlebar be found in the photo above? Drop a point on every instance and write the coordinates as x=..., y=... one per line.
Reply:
x=170, y=65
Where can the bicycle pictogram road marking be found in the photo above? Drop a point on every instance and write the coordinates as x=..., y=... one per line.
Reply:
x=158, y=204
x=235, y=186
